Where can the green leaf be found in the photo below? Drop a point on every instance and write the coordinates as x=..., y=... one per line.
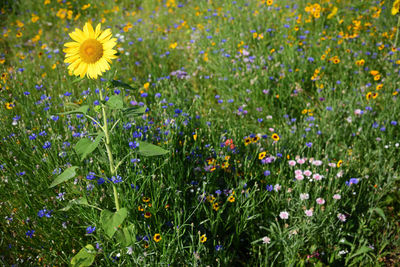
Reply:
x=147, y=149
x=379, y=211
x=134, y=111
x=83, y=109
x=79, y=201
x=110, y=221
x=360, y=251
x=124, y=236
x=65, y=176
x=85, y=257
x=85, y=146
x=115, y=102
x=116, y=83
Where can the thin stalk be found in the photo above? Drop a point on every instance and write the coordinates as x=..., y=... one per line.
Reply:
x=397, y=34
x=108, y=148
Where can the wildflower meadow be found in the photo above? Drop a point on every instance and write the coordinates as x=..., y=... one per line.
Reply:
x=199, y=133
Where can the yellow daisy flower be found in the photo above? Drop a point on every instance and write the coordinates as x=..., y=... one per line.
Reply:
x=91, y=52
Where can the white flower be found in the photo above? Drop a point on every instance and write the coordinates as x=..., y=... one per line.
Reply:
x=284, y=215
x=266, y=240
x=317, y=162
x=341, y=217
x=336, y=196
x=129, y=250
x=304, y=196
x=277, y=187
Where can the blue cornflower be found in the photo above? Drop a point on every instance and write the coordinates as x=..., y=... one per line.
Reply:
x=47, y=145
x=90, y=229
x=90, y=176
x=269, y=187
x=352, y=181
x=30, y=233
x=133, y=144
x=218, y=247
x=267, y=173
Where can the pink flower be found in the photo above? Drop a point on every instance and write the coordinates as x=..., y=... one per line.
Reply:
x=341, y=217
x=284, y=215
x=298, y=172
x=336, y=196
x=307, y=173
x=332, y=165
x=277, y=187
x=320, y=201
x=266, y=240
x=308, y=213
x=301, y=161
x=317, y=176
x=317, y=163
x=292, y=162
x=299, y=177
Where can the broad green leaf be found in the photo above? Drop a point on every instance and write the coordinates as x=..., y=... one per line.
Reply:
x=147, y=149
x=379, y=211
x=110, y=221
x=115, y=102
x=85, y=257
x=116, y=83
x=65, y=176
x=85, y=146
x=83, y=109
x=79, y=201
x=134, y=111
x=360, y=251
x=124, y=236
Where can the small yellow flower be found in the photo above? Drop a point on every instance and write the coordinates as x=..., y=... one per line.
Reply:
x=145, y=199
x=339, y=163
x=247, y=141
x=203, y=238
x=9, y=105
x=231, y=199
x=275, y=137
x=147, y=215
x=216, y=206
x=262, y=155
x=173, y=45
x=368, y=95
x=157, y=238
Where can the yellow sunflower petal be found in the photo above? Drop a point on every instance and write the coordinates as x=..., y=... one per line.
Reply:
x=97, y=31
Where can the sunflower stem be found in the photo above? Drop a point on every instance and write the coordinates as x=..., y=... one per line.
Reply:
x=108, y=148
x=397, y=35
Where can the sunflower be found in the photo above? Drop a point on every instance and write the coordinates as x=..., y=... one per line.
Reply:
x=91, y=52
x=396, y=7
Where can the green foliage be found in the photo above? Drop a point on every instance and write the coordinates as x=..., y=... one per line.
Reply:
x=85, y=146
x=65, y=176
x=115, y=102
x=85, y=257
x=147, y=149
x=111, y=221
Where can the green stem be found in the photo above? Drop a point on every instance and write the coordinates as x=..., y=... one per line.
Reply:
x=108, y=148
x=397, y=34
